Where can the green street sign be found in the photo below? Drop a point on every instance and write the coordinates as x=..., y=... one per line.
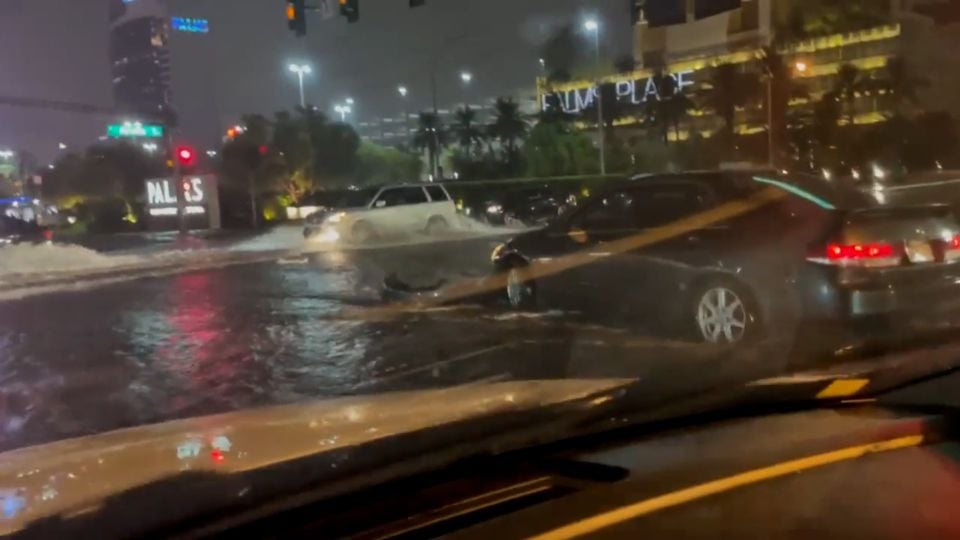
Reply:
x=134, y=129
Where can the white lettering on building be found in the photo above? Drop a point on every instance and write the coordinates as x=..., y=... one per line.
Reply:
x=578, y=99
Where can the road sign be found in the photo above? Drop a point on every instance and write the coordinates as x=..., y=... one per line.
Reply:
x=190, y=25
x=134, y=129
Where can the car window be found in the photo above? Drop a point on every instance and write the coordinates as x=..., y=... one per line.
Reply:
x=609, y=213
x=645, y=206
x=437, y=193
x=401, y=197
x=664, y=203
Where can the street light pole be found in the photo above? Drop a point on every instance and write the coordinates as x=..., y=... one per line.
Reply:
x=301, y=70
x=593, y=26
x=303, y=101
x=406, y=121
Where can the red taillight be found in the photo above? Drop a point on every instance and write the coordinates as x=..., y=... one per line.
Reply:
x=874, y=254
x=48, y=234
x=955, y=242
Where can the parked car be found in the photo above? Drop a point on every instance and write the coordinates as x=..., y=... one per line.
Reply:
x=371, y=214
x=525, y=207
x=662, y=253
x=18, y=231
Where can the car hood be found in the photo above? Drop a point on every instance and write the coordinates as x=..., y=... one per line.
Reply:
x=76, y=476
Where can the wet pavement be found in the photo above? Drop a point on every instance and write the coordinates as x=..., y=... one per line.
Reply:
x=291, y=329
x=305, y=325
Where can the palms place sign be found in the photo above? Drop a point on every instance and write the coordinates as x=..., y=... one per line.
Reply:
x=634, y=91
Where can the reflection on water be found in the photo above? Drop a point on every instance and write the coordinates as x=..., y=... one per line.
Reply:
x=192, y=344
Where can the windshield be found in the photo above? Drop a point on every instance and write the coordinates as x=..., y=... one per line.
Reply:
x=354, y=199
x=220, y=206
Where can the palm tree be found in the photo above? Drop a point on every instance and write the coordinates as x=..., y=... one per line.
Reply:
x=849, y=83
x=781, y=88
x=826, y=115
x=508, y=126
x=469, y=136
x=668, y=110
x=430, y=136
x=730, y=88
x=902, y=84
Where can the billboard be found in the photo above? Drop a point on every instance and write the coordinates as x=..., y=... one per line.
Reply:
x=201, y=202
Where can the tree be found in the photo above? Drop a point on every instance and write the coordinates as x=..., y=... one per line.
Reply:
x=508, y=126
x=849, y=83
x=561, y=54
x=378, y=165
x=468, y=133
x=430, y=137
x=826, y=117
x=729, y=89
x=902, y=84
x=781, y=89
x=613, y=108
x=291, y=139
x=667, y=109
x=553, y=150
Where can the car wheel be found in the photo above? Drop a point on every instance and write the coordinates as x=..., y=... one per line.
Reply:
x=723, y=313
x=521, y=290
x=437, y=225
x=362, y=232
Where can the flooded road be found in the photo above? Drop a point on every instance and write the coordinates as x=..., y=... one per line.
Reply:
x=297, y=328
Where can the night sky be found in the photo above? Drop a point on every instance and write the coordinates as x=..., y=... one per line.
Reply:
x=57, y=49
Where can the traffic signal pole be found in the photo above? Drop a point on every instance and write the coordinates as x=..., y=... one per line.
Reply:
x=177, y=177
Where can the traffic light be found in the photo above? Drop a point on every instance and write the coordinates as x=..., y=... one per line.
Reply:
x=186, y=156
x=297, y=17
x=350, y=9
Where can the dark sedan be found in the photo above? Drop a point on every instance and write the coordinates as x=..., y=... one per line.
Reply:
x=724, y=257
x=18, y=231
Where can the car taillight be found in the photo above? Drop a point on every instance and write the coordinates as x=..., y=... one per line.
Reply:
x=952, y=249
x=876, y=254
x=48, y=234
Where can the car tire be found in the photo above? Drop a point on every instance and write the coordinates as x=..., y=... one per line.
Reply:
x=520, y=290
x=362, y=232
x=437, y=225
x=722, y=312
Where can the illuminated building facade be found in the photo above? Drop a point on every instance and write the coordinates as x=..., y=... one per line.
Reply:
x=692, y=43
x=140, y=58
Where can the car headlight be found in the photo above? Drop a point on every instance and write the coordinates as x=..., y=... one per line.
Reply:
x=335, y=218
x=494, y=209
x=498, y=252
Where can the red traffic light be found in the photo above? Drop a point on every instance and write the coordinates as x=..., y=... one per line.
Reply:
x=185, y=155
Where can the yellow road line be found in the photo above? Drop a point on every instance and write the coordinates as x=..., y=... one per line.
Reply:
x=649, y=506
x=843, y=388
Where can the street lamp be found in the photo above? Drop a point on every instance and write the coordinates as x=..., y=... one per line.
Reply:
x=62, y=146
x=466, y=77
x=406, y=121
x=801, y=66
x=344, y=110
x=592, y=26
x=301, y=70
